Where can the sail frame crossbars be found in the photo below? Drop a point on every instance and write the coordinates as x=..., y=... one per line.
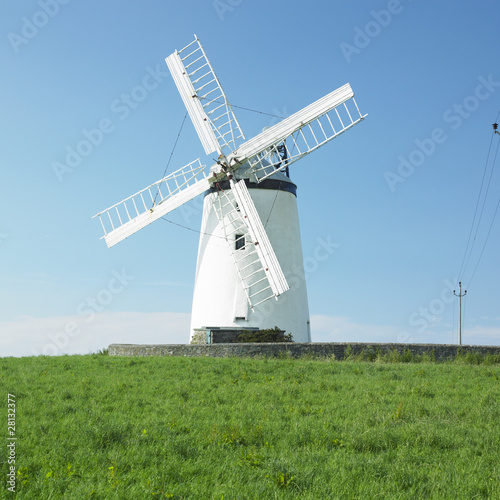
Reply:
x=206, y=102
x=177, y=187
x=258, y=151
x=275, y=148
x=306, y=138
x=252, y=268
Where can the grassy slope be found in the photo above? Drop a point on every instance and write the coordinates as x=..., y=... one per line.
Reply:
x=104, y=427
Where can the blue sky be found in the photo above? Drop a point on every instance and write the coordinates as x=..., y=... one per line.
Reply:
x=396, y=195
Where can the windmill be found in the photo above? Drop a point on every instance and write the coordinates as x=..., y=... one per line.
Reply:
x=249, y=271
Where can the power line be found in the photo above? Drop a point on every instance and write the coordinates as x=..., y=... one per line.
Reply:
x=485, y=241
x=171, y=154
x=173, y=150
x=474, y=229
x=247, y=109
x=257, y=111
x=491, y=223
x=191, y=229
x=467, y=256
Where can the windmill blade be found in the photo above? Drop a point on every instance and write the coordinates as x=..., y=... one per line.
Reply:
x=137, y=211
x=299, y=134
x=205, y=101
x=256, y=263
x=263, y=246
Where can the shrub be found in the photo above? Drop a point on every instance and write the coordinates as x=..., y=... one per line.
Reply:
x=269, y=335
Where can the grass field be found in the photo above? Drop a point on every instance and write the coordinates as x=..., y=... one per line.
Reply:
x=101, y=427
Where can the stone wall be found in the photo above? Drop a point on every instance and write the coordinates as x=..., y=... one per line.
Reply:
x=296, y=350
x=218, y=335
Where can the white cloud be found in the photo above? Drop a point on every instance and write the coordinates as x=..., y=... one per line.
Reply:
x=481, y=335
x=342, y=329
x=78, y=334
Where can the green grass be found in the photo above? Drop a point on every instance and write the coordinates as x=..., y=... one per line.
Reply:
x=100, y=427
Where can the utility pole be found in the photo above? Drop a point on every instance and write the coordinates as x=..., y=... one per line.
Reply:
x=495, y=128
x=460, y=295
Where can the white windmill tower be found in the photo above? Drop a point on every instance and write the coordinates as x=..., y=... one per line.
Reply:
x=250, y=249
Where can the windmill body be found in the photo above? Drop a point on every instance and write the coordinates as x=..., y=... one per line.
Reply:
x=219, y=300
x=250, y=265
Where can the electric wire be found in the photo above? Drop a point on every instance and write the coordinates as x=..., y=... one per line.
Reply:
x=246, y=109
x=470, y=246
x=272, y=206
x=219, y=187
x=259, y=112
x=267, y=114
x=278, y=190
x=171, y=154
x=170, y=158
x=191, y=229
x=481, y=213
x=468, y=253
x=491, y=223
x=165, y=171
x=485, y=242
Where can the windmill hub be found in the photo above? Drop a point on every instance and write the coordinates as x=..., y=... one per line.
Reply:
x=250, y=272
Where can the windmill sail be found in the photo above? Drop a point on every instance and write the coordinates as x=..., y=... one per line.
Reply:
x=300, y=134
x=257, y=265
x=137, y=211
x=205, y=101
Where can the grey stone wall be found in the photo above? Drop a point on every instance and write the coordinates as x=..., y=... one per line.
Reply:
x=295, y=350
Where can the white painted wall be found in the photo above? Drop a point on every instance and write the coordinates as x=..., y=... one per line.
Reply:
x=219, y=297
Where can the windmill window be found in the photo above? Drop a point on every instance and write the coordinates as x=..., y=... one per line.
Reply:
x=239, y=242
